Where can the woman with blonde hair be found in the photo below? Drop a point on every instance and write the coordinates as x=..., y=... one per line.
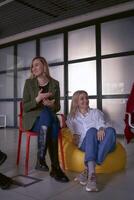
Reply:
x=91, y=135
x=41, y=101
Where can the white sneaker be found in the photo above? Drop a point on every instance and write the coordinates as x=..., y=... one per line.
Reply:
x=91, y=184
x=82, y=178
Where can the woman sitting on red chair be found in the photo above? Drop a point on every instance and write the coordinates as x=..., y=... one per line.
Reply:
x=41, y=101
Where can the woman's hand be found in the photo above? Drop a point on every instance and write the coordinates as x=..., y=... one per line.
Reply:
x=100, y=134
x=47, y=102
x=42, y=96
x=76, y=139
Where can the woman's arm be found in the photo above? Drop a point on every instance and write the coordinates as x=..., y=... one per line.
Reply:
x=69, y=123
x=100, y=125
x=71, y=126
x=101, y=134
x=32, y=101
x=28, y=102
x=76, y=139
x=55, y=102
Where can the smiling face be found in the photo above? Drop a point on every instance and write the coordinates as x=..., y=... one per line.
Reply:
x=83, y=102
x=79, y=102
x=37, y=68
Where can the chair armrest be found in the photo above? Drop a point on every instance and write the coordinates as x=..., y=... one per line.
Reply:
x=62, y=120
x=129, y=120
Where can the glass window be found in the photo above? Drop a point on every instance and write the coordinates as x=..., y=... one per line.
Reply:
x=115, y=112
x=57, y=72
x=117, y=36
x=117, y=75
x=26, y=52
x=82, y=76
x=81, y=43
x=6, y=58
x=21, y=77
x=6, y=85
x=52, y=48
x=93, y=103
x=7, y=108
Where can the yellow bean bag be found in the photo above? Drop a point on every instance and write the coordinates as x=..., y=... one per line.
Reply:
x=74, y=158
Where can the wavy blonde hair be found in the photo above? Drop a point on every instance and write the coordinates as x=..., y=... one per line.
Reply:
x=74, y=103
x=45, y=64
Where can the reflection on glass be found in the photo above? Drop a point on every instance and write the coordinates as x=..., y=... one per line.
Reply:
x=117, y=75
x=7, y=108
x=6, y=58
x=57, y=72
x=26, y=52
x=52, y=48
x=21, y=77
x=6, y=85
x=81, y=43
x=114, y=110
x=82, y=76
x=92, y=103
x=117, y=36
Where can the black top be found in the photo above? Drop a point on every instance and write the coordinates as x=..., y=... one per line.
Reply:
x=45, y=88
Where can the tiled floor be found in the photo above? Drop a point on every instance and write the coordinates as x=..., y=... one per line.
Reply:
x=118, y=186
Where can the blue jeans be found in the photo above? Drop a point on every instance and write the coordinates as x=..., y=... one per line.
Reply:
x=49, y=119
x=97, y=150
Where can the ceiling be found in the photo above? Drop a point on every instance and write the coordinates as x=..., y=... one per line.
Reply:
x=17, y=16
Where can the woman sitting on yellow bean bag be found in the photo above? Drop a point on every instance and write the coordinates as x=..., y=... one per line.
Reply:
x=90, y=135
x=74, y=157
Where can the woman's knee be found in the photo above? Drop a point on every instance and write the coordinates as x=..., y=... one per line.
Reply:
x=46, y=116
x=92, y=132
x=110, y=132
x=46, y=111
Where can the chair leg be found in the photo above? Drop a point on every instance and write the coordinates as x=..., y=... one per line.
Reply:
x=27, y=153
x=61, y=150
x=19, y=147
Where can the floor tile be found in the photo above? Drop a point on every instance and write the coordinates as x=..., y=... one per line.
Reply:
x=112, y=186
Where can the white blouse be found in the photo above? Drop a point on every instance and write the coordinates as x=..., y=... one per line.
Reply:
x=82, y=122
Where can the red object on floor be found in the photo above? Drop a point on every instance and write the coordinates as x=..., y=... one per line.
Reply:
x=129, y=109
x=28, y=137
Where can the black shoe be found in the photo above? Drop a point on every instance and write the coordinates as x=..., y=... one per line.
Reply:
x=3, y=157
x=41, y=166
x=5, y=182
x=59, y=175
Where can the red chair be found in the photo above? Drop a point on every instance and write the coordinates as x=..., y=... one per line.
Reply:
x=28, y=137
x=129, y=117
x=130, y=120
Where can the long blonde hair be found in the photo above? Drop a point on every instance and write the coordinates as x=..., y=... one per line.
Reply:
x=44, y=62
x=74, y=103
